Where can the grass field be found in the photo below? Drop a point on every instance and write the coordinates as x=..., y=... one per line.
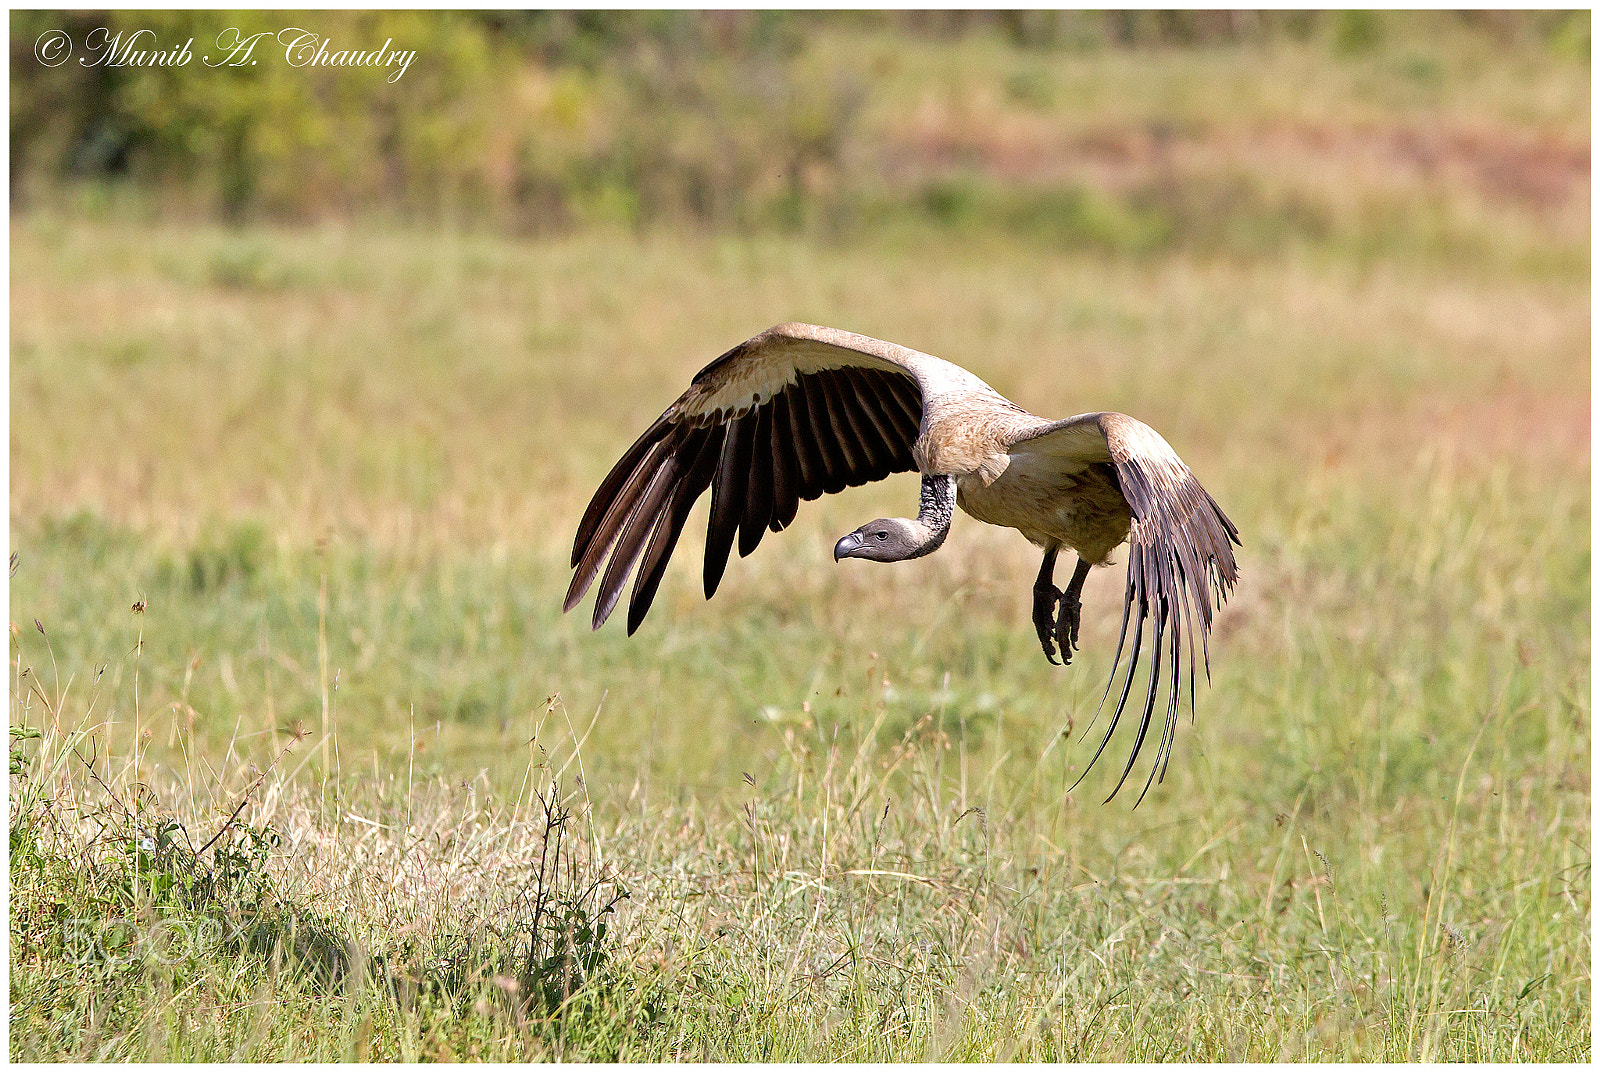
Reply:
x=338, y=470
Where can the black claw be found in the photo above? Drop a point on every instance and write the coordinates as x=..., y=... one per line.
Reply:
x=1045, y=598
x=1068, y=615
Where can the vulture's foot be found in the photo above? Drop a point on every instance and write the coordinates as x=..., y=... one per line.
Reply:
x=1046, y=597
x=1069, y=612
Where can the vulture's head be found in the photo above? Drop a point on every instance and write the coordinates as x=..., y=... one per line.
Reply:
x=886, y=540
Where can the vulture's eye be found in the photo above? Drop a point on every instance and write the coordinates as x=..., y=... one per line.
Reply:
x=881, y=534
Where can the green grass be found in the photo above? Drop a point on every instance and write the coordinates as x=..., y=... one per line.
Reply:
x=338, y=469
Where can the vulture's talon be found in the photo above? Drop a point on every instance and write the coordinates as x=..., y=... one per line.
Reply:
x=1045, y=598
x=1068, y=615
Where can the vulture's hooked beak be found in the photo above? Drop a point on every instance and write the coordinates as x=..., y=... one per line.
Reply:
x=847, y=546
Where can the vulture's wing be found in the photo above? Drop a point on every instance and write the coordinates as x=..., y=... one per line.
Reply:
x=1180, y=562
x=797, y=411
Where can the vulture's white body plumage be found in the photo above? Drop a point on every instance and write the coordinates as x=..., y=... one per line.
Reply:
x=801, y=410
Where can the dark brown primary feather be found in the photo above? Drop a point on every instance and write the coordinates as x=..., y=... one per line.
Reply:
x=640, y=522
x=835, y=471
x=785, y=468
x=799, y=431
x=807, y=456
x=758, y=496
x=860, y=408
x=728, y=493
x=670, y=525
x=621, y=490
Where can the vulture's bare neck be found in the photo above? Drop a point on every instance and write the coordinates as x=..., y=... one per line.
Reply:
x=934, y=512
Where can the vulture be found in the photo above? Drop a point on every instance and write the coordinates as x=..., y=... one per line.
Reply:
x=802, y=409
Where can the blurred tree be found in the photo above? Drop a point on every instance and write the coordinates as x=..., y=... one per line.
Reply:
x=264, y=136
x=539, y=120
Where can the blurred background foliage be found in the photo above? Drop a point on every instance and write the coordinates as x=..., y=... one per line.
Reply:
x=830, y=123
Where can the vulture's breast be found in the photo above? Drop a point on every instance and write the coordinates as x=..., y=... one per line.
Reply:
x=1083, y=509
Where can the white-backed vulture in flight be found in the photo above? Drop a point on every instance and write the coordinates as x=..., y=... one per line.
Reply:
x=800, y=410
